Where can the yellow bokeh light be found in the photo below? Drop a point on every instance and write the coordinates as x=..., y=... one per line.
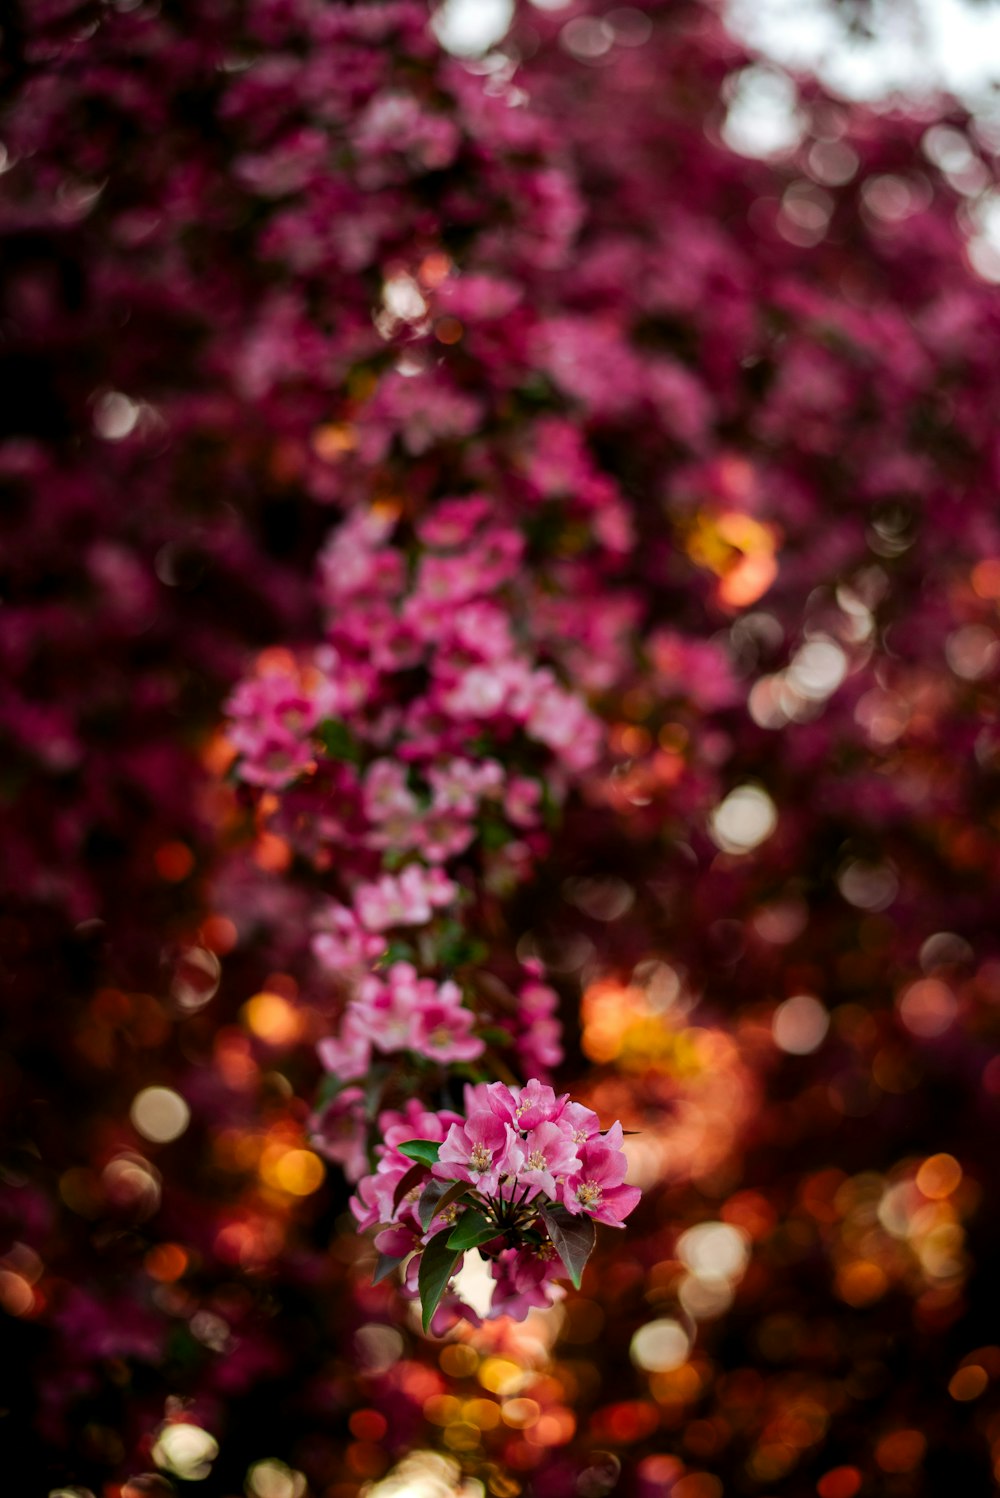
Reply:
x=442, y=1409
x=272, y=1019
x=297, y=1171
x=501, y=1376
x=520, y=1413
x=740, y=550
x=458, y=1360
x=483, y=1413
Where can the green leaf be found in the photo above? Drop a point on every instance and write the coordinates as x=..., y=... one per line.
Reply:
x=573, y=1239
x=493, y=833
x=374, y=1083
x=551, y=810
x=437, y=1265
x=425, y=1150
x=412, y=1178
x=438, y=1196
x=328, y=1089
x=339, y=742
x=495, y=1036
x=396, y=951
x=384, y=1265
x=471, y=1230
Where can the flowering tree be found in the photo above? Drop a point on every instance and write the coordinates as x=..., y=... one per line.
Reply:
x=499, y=587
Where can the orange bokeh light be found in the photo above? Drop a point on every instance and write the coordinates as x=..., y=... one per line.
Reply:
x=166, y=1262
x=839, y=1482
x=939, y=1176
x=901, y=1451
x=174, y=861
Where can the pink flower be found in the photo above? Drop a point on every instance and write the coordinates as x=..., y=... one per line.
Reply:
x=407, y=900
x=355, y=560
x=537, y=1103
x=460, y=784
x=522, y=801
x=349, y=1053
x=525, y=1280
x=444, y=1033
x=453, y=522
x=441, y=834
x=549, y=1155
x=368, y=1202
x=584, y=1121
x=397, y=1241
x=479, y=693
x=482, y=631
x=496, y=1097
x=564, y=723
x=390, y=1010
x=386, y=792
x=597, y=1189
x=341, y=945
x=479, y=1151
x=339, y=1133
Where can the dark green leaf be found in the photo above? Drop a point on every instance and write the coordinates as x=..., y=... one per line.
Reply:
x=572, y=1237
x=437, y=1264
x=384, y=1265
x=374, y=1082
x=412, y=1178
x=471, y=1230
x=494, y=1036
x=493, y=833
x=328, y=1089
x=339, y=742
x=427, y=1206
x=437, y=1196
x=425, y=1150
x=396, y=951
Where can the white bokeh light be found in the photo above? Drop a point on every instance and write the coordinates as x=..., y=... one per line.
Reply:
x=920, y=48
x=159, y=1114
x=471, y=27
x=714, y=1251
x=817, y=668
x=660, y=1346
x=799, y=1025
x=186, y=1451
x=746, y=818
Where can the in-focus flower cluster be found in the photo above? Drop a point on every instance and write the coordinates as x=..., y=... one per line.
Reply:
x=523, y=1175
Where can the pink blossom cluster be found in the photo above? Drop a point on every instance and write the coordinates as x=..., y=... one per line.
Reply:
x=513, y=1172
x=423, y=743
x=401, y=1011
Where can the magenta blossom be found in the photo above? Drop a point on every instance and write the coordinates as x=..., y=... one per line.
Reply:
x=549, y=1156
x=493, y=1182
x=597, y=1188
x=480, y=1151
